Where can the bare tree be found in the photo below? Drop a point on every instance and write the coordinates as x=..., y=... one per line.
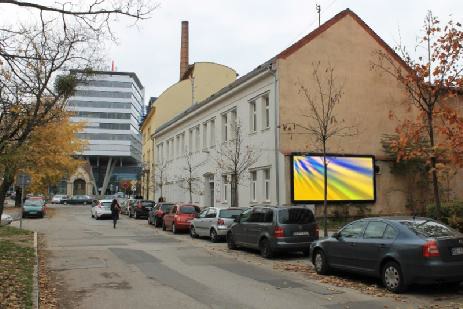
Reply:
x=320, y=120
x=234, y=158
x=35, y=59
x=189, y=180
x=160, y=178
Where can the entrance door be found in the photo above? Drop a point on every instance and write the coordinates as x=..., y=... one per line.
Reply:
x=211, y=193
x=79, y=187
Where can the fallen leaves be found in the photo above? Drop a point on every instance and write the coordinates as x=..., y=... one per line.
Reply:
x=48, y=291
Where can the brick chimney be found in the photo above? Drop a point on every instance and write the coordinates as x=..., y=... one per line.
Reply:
x=184, y=49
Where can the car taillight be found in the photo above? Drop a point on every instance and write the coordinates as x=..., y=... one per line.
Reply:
x=430, y=249
x=279, y=232
x=317, y=231
x=220, y=222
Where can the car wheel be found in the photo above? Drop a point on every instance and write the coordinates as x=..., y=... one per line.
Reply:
x=135, y=216
x=163, y=226
x=265, y=249
x=174, y=229
x=96, y=217
x=214, y=236
x=193, y=232
x=392, y=277
x=319, y=262
x=231, y=242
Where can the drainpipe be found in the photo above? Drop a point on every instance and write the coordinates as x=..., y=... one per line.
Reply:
x=276, y=113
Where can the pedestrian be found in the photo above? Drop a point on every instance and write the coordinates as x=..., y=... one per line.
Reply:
x=115, y=210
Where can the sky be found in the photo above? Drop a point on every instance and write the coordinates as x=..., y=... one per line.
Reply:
x=245, y=33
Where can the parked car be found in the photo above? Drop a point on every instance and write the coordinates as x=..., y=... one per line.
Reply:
x=179, y=217
x=79, y=199
x=6, y=219
x=214, y=222
x=125, y=206
x=59, y=199
x=400, y=251
x=156, y=215
x=272, y=229
x=101, y=209
x=140, y=208
x=34, y=208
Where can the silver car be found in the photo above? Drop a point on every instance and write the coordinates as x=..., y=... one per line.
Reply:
x=214, y=222
x=101, y=209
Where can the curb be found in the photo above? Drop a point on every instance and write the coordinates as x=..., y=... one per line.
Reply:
x=35, y=277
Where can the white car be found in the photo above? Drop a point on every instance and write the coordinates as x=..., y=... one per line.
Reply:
x=101, y=209
x=6, y=219
x=58, y=199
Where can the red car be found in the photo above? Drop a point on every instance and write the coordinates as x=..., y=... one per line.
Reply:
x=179, y=217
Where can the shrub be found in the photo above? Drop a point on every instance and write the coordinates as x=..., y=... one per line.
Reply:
x=451, y=213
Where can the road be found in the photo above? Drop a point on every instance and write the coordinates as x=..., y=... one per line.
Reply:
x=137, y=266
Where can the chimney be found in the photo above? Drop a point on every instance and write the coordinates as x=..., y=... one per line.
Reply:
x=184, y=49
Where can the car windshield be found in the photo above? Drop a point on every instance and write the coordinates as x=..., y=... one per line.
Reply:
x=430, y=228
x=147, y=204
x=106, y=204
x=166, y=207
x=188, y=210
x=295, y=216
x=33, y=203
x=230, y=213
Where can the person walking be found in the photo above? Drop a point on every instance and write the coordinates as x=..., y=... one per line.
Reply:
x=115, y=210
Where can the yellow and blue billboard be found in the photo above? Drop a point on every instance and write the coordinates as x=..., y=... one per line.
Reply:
x=350, y=178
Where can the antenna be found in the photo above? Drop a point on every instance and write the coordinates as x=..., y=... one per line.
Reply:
x=318, y=8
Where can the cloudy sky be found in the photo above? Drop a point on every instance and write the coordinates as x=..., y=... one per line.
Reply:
x=244, y=33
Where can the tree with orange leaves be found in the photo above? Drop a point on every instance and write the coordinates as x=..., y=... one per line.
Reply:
x=432, y=82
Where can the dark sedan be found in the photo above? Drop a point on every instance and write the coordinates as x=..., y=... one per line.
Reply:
x=140, y=208
x=79, y=199
x=400, y=251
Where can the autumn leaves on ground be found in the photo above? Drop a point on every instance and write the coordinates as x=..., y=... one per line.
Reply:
x=17, y=266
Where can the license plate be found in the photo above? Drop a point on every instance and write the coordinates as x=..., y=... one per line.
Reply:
x=457, y=251
x=300, y=233
x=33, y=212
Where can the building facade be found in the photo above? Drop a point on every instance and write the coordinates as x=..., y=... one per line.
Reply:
x=111, y=106
x=268, y=99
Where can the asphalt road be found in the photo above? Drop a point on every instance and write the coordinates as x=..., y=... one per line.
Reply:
x=137, y=266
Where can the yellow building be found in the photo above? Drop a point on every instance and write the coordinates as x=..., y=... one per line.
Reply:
x=197, y=82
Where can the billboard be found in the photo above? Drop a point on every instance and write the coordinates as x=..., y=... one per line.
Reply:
x=350, y=178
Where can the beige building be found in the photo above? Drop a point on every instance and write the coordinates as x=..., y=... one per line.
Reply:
x=268, y=98
x=197, y=82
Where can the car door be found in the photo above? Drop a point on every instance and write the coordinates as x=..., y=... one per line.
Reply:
x=260, y=221
x=341, y=250
x=168, y=218
x=239, y=230
x=211, y=218
x=199, y=222
x=374, y=245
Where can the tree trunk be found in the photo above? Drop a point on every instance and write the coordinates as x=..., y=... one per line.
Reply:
x=8, y=180
x=19, y=197
x=325, y=194
x=435, y=180
x=234, y=192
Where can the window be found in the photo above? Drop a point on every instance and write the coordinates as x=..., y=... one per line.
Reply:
x=262, y=215
x=197, y=139
x=353, y=230
x=205, y=135
x=190, y=140
x=246, y=215
x=203, y=213
x=172, y=153
x=234, y=124
x=177, y=146
x=224, y=188
x=212, y=213
x=375, y=230
x=212, y=141
x=253, y=186
x=390, y=233
x=182, y=143
x=429, y=228
x=266, y=115
x=267, y=184
x=295, y=216
x=253, y=115
x=224, y=128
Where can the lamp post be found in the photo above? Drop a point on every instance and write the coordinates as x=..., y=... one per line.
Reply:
x=23, y=180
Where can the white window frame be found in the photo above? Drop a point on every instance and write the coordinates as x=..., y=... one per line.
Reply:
x=253, y=186
x=267, y=178
x=212, y=133
x=225, y=134
x=252, y=116
x=224, y=188
x=205, y=125
x=197, y=138
x=266, y=112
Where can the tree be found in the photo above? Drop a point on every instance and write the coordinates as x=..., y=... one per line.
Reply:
x=35, y=56
x=320, y=119
x=160, y=176
x=189, y=180
x=47, y=156
x=430, y=81
x=234, y=158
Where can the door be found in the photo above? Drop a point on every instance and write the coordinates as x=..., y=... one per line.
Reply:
x=240, y=229
x=211, y=192
x=342, y=251
x=199, y=222
x=261, y=219
x=373, y=246
x=169, y=218
x=79, y=187
x=211, y=218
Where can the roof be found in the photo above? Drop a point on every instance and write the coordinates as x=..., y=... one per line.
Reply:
x=261, y=68
x=286, y=53
x=131, y=74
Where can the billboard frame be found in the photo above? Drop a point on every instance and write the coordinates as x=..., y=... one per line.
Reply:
x=291, y=172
